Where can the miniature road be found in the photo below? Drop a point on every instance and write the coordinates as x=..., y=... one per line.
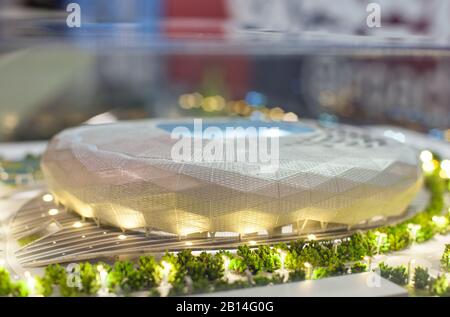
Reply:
x=64, y=243
x=427, y=254
x=9, y=205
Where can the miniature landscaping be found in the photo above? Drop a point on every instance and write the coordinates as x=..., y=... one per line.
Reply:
x=186, y=272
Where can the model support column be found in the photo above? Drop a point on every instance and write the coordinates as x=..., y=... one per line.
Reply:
x=301, y=224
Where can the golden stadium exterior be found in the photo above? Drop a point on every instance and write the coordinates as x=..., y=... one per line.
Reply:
x=122, y=174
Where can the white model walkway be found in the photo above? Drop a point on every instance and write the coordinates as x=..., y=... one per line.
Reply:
x=353, y=285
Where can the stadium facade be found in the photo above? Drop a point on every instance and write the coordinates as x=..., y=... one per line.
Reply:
x=123, y=175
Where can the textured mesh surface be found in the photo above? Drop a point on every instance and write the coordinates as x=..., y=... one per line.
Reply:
x=123, y=174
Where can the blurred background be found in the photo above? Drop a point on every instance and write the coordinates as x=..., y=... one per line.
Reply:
x=263, y=59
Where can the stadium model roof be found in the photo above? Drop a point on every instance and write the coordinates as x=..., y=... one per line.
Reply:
x=124, y=174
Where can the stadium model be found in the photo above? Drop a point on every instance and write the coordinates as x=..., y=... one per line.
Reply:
x=122, y=174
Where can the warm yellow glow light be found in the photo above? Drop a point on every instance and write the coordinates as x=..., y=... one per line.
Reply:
x=444, y=174
x=53, y=212
x=77, y=225
x=429, y=166
x=252, y=242
x=189, y=243
x=440, y=221
x=241, y=107
x=167, y=267
x=290, y=117
x=308, y=267
x=312, y=237
x=47, y=198
x=282, y=254
x=384, y=235
x=122, y=237
x=213, y=103
x=276, y=114
x=426, y=156
x=189, y=101
x=31, y=284
x=414, y=228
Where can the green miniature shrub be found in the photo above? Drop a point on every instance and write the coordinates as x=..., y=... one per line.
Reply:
x=359, y=267
x=6, y=284
x=397, y=274
x=439, y=285
x=445, y=259
x=319, y=273
x=421, y=278
x=297, y=275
